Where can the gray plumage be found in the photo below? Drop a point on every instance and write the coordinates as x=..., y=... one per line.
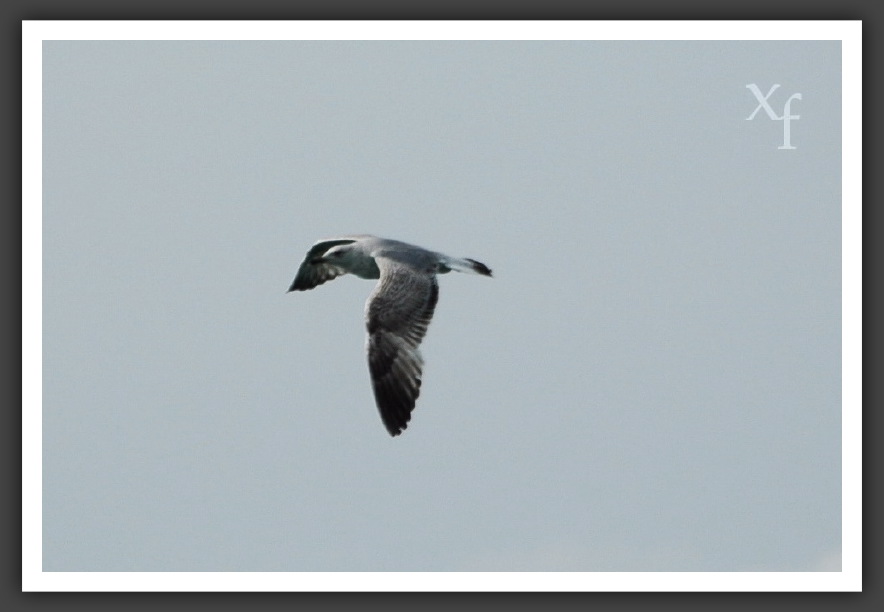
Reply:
x=397, y=312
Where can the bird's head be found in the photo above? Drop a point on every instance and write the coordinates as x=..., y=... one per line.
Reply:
x=338, y=255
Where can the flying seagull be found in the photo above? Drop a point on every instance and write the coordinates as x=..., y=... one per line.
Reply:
x=397, y=312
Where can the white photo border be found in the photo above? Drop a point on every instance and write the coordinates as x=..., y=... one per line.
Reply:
x=850, y=35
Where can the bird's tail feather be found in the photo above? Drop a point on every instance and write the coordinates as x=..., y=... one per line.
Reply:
x=467, y=265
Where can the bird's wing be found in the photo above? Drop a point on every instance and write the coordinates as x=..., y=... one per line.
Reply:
x=397, y=314
x=311, y=274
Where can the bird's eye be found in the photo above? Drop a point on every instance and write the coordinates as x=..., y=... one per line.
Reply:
x=338, y=253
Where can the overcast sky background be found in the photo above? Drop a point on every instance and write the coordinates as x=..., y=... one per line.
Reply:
x=651, y=381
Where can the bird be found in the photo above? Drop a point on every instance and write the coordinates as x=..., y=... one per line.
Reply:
x=397, y=311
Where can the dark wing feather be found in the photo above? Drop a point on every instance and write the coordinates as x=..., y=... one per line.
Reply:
x=311, y=274
x=397, y=315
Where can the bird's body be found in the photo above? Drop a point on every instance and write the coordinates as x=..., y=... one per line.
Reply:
x=397, y=312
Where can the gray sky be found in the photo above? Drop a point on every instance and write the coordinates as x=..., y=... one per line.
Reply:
x=651, y=382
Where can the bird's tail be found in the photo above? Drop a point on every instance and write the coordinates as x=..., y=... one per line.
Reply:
x=466, y=265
